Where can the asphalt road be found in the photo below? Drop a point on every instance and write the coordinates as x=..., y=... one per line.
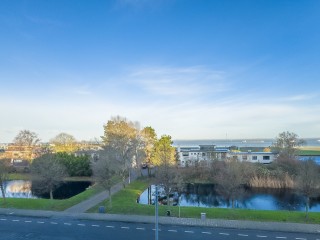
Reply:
x=23, y=228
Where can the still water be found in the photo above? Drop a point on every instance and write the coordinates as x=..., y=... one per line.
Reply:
x=204, y=195
x=23, y=189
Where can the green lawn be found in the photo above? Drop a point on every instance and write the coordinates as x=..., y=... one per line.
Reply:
x=124, y=202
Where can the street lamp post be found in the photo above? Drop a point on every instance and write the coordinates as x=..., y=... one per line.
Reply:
x=156, y=214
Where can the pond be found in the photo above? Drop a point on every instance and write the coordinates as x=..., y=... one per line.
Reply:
x=205, y=195
x=23, y=189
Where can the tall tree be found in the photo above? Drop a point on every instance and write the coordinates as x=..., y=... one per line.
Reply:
x=47, y=173
x=104, y=170
x=231, y=180
x=286, y=144
x=120, y=136
x=26, y=141
x=149, y=137
x=26, y=138
x=308, y=181
x=164, y=152
x=64, y=142
x=167, y=174
x=4, y=175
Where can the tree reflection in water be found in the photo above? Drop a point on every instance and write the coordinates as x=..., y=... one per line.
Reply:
x=205, y=195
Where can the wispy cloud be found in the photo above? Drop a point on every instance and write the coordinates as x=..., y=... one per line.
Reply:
x=179, y=81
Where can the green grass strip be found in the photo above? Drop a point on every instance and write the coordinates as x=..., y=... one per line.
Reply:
x=124, y=202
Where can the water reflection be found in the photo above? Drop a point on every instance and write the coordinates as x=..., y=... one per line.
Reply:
x=205, y=195
x=24, y=189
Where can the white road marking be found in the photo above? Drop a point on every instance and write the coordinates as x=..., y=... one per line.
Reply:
x=27, y=221
x=301, y=238
x=110, y=226
x=261, y=236
x=172, y=230
x=227, y=234
x=11, y=213
x=125, y=227
x=94, y=225
x=69, y=224
x=242, y=235
x=189, y=231
x=282, y=237
x=81, y=224
x=140, y=228
x=40, y=222
x=153, y=229
x=15, y=220
x=54, y=223
x=206, y=232
x=3, y=219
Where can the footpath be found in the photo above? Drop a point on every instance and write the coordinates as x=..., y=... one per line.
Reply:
x=79, y=212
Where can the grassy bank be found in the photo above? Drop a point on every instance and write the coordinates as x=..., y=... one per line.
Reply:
x=124, y=202
x=47, y=204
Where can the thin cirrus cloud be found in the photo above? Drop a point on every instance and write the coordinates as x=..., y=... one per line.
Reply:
x=178, y=82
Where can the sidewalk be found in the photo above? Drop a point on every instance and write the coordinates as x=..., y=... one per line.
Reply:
x=214, y=223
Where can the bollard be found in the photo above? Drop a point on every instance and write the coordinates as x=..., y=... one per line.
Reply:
x=168, y=213
x=203, y=216
x=102, y=209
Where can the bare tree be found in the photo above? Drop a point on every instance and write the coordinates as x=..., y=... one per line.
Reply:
x=64, y=142
x=47, y=174
x=4, y=171
x=308, y=181
x=231, y=180
x=26, y=141
x=104, y=170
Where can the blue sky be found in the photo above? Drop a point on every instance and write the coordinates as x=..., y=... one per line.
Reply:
x=193, y=69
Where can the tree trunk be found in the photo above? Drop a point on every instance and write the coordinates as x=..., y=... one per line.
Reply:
x=51, y=194
x=307, y=207
x=3, y=192
x=110, y=197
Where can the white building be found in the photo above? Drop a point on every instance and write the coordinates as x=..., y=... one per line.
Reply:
x=190, y=156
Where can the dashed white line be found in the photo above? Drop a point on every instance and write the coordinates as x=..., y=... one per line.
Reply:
x=189, y=231
x=301, y=238
x=15, y=220
x=227, y=234
x=27, y=221
x=95, y=225
x=81, y=224
x=125, y=227
x=206, y=232
x=172, y=230
x=153, y=229
x=68, y=224
x=110, y=226
x=140, y=228
x=40, y=222
x=3, y=219
x=261, y=236
x=282, y=237
x=55, y=223
x=242, y=235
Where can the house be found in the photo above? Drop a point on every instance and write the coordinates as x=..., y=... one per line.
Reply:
x=203, y=154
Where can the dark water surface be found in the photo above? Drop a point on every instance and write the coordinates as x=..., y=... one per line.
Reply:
x=24, y=189
x=204, y=195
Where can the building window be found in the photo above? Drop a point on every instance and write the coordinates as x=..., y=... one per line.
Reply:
x=266, y=157
x=255, y=158
x=244, y=157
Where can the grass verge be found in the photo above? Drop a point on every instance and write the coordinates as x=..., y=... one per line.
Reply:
x=124, y=202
